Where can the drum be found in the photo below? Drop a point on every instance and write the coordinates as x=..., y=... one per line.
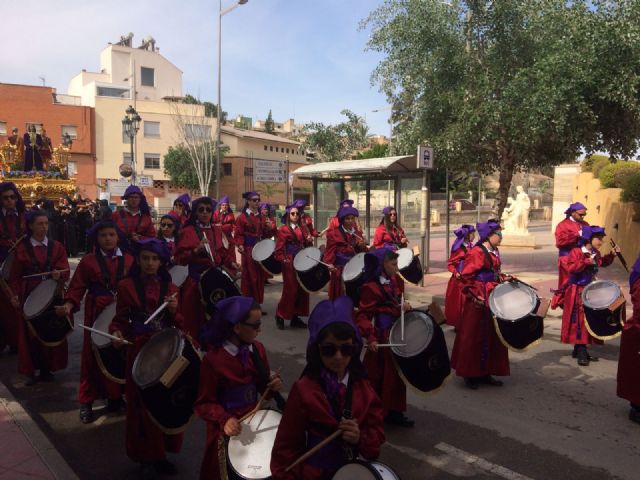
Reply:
x=167, y=371
x=409, y=265
x=603, y=309
x=249, y=454
x=423, y=362
x=179, y=274
x=5, y=268
x=353, y=276
x=110, y=360
x=41, y=317
x=263, y=254
x=216, y=284
x=311, y=274
x=514, y=307
x=359, y=470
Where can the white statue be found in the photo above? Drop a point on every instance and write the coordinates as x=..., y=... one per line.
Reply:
x=516, y=215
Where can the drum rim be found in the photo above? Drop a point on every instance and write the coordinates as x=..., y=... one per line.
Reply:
x=598, y=282
x=396, y=350
x=387, y=466
x=532, y=293
x=312, y=266
x=368, y=465
x=95, y=335
x=166, y=331
x=49, y=281
x=357, y=255
x=264, y=241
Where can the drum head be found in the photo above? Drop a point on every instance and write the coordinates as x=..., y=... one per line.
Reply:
x=357, y=470
x=600, y=294
x=512, y=301
x=102, y=323
x=155, y=357
x=5, y=268
x=418, y=332
x=405, y=257
x=385, y=471
x=306, y=259
x=216, y=284
x=179, y=274
x=40, y=298
x=250, y=452
x=263, y=249
x=354, y=268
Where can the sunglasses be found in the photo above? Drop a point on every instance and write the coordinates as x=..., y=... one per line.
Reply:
x=293, y=214
x=9, y=197
x=254, y=199
x=204, y=210
x=393, y=214
x=255, y=326
x=329, y=349
x=166, y=225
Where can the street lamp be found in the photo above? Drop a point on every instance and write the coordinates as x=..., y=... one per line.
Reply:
x=221, y=13
x=131, y=125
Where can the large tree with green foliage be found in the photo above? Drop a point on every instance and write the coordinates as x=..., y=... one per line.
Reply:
x=509, y=85
x=332, y=143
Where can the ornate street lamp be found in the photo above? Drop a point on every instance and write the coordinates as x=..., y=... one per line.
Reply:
x=130, y=126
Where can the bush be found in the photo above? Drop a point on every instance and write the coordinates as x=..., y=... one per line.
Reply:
x=631, y=188
x=598, y=165
x=614, y=174
x=588, y=163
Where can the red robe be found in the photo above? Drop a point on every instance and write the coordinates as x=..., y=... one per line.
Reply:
x=88, y=279
x=141, y=224
x=249, y=230
x=574, y=330
x=477, y=350
x=309, y=411
x=341, y=247
x=308, y=222
x=32, y=354
x=294, y=299
x=385, y=238
x=146, y=443
x=227, y=223
x=10, y=318
x=220, y=371
x=453, y=297
x=379, y=365
x=182, y=218
x=567, y=234
x=629, y=361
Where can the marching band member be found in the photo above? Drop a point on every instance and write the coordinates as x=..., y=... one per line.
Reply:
x=12, y=227
x=305, y=219
x=135, y=219
x=169, y=232
x=290, y=239
x=334, y=222
x=453, y=297
x=223, y=218
x=380, y=304
x=233, y=372
x=37, y=254
x=342, y=244
x=389, y=233
x=250, y=228
x=270, y=222
x=97, y=275
x=567, y=235
x=582, y=264
x=182, y=208
x=141, y=293
x=477, y=352
x=332, y=394
x=629, y=361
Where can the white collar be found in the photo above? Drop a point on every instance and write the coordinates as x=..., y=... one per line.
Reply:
x=572, y=219
x=345, y=379
x=202, y=225
x=117, y=254
x=587, y=251
x=37, y=243
x=490, y=249
x=5, y=211
x=384, y=280
x=249, y=212
x=294, y=225
x=139, y=212
x=170, y=239
x=350, y=232
x=232, y=348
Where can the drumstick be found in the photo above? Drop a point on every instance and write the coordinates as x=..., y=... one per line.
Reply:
x=402, y=317
x=252, y=413
x=159, y=309
x=389, y=345
x=45, y=273
x=15, y=245
x=207, y=247
x=105, y=334
x=319, y=261
x=306, y=455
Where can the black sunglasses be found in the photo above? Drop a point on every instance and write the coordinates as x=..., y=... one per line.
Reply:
x=166, y=225
x=330, y=349
x=9, y=197
x=255, y=326
x=294, y=213
x=254, y=199
x=204, y=210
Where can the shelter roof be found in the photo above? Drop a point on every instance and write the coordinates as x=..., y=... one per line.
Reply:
x=368, y=166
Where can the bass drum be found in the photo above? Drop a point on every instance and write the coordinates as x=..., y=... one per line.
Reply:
x=353, y=277
x=311, y=274
x=359, y=470
x=110, y=360
x=42, y=320
x=603, y=309
x=409, y=266
x=216, y=284
x=263, y=254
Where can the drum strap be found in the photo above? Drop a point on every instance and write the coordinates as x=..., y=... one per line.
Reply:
x=487, y=257
x=346, y=241
x=346, y=411
x=389, y=300
x=293, y=234
x=263, y=377
x=200, y=233
x=5, y=227
x=252, y=226
x=123, y=216
x=106, y=278
x=34, y=260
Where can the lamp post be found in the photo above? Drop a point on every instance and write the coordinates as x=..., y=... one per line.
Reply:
x=131, y=125
x=221, y=13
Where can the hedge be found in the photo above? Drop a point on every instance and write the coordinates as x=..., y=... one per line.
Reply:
x=591, y=160
x=631, y=188
x=614, y=174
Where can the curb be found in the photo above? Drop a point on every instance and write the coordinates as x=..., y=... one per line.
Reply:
x=38, y=440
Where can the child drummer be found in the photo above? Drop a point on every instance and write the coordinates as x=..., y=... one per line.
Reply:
x=139, y=295
x=332, y=395
x=233, y=374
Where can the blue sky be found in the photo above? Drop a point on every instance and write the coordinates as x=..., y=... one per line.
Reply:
x=304, y=59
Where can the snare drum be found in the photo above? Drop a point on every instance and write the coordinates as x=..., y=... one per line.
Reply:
x=359, y=470
x=167, y=371
x=353, y=276
x=423, y=363
x=409, y=266
x=249, y=454
x=110, y=360
x=42, y=320
x=603, y=309
x=216, y=284
x=179, y=274
x=263, y=254
x=311, y=274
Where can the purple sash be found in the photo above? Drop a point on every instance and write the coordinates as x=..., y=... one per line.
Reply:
x=329, y=458
x=292, y=249
x=238, y=396
x=564, y=251
x=384, y=321
x=197, y=269
x=99, y=290
x=582, y=278
x=343, y=258
x=486, y=276
x=250, y=241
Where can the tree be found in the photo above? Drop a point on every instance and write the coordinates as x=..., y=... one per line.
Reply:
x=505, y=86
x=177, y=165
x=269, y=124
x=379, y=150
x=333, y=143
x=210, y=109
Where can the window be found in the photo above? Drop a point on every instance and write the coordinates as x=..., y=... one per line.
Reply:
x=3, y=128
x=112, y=92
x=265, y=148
x=147, y=77
x=226, y=169
x=271, y=148
x=152, y=161
x=72, y=167
x=287, y=150
x=126, y=158
x=197, y=131
x=152, y=129
x=72, y=130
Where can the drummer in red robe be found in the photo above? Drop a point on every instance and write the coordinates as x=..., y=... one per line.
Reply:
x=629, y=361
x=37, y=254
x=97, y=275
x=135, y=219
x=567, y=234
x=332, y=394
x=477, y=351
x=182, y=208
x=389, y=234
x=234, y=373
x=453, y=298
x=334, y=222
x=12, y=228
x=198, y=238
x=139, y=295
x=169, y=232
x=290, y=239
x=223, y=218
x=380, y=304
x=305, y=219
x=342, y=244
x=582, y=264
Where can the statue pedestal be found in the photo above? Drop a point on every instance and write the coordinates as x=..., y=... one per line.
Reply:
x=512, y=240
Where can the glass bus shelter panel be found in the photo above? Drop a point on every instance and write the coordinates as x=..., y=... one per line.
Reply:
x=410, y=193
x=329, y=196
x=356, y=190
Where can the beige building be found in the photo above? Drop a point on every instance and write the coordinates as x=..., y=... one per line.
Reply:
x=286, y=129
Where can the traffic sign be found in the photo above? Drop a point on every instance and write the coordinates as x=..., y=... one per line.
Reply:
x=425, y=157
x=144, y=181
x=269, y=171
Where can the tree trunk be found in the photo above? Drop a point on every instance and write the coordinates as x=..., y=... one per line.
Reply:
x=506, y=174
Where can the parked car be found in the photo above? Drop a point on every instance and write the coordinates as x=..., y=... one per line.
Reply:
x=466, y=204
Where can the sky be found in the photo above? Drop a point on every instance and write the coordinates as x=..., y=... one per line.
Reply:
x=303, y=59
